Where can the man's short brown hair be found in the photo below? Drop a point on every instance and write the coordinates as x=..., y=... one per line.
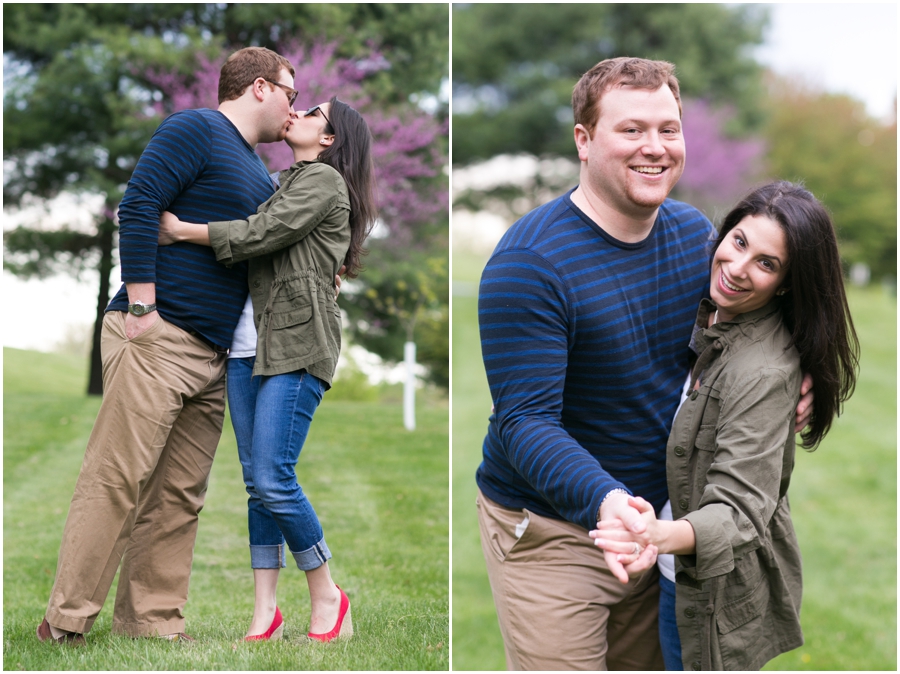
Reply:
x=244, y=66
x=618, y=72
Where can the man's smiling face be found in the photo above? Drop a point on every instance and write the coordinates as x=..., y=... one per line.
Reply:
x=636, y=154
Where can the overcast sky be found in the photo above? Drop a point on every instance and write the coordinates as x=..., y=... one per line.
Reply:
x=840, y=47
x=846, y=48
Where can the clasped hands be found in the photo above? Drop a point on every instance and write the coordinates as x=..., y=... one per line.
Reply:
x=628, y=533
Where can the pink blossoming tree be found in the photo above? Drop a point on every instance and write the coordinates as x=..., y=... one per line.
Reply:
x=719, y=168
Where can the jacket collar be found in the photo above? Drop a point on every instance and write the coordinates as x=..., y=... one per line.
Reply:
x=305, y=162
x=708, y=343
x=285, y=174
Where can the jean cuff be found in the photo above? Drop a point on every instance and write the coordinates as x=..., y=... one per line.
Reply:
x=268, y=556
x=313, y=558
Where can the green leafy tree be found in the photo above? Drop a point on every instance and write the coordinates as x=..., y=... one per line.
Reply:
x=71, y=123
x=79, y=107
x=514, y=65
x=406, y=300
x=412, y=37
x=844, y=157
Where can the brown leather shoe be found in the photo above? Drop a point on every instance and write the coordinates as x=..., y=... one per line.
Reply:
x=69, y=639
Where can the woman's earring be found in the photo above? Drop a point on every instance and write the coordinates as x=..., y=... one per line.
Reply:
x=781, y=292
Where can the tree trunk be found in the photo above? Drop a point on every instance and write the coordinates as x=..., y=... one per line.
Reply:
x=105, y=238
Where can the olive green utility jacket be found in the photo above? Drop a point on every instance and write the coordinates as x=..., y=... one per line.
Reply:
x=296, y=243
x=729, y=460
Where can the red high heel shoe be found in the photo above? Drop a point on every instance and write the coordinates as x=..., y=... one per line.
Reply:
x=276, y=629
x=344, y=626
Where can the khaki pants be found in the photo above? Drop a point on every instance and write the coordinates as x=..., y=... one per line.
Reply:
x=142, y=482
x=558, y=605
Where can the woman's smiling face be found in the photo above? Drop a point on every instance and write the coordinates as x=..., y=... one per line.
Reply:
x=749, y=266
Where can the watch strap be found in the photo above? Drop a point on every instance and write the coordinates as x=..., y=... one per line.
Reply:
x=140, y=309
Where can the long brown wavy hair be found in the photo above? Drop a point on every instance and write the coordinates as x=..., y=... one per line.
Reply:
x=351, y=155
x=815, y=308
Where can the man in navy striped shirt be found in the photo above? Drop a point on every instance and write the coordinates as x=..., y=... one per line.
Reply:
x=164, y=341
x=585, y=310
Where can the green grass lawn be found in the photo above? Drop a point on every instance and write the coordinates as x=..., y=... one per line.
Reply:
x=843, y=499
x=380, y=491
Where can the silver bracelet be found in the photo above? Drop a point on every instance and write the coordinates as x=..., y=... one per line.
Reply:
x=617, y=490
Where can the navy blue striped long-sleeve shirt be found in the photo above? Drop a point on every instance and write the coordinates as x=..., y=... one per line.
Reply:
x=198, y=166
x=585, y=344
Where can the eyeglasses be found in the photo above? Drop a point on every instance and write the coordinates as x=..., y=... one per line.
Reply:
x=291, y=93
x=312, y=111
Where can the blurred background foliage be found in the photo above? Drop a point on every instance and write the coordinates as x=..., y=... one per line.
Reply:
x=847, y=159
x=85, y=86
x=514, y=67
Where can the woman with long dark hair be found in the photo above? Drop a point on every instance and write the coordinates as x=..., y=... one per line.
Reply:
x=777, y=308
x=296, y=244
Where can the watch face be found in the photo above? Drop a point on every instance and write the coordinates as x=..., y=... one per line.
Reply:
x=140, y=309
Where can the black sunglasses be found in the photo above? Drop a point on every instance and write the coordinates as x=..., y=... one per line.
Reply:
x=291, y=93
x=312, y=111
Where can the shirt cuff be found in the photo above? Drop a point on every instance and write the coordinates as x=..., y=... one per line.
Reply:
x=714, y=554
x=218, y=239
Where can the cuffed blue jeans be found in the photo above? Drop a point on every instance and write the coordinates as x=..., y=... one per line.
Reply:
x=271, y=418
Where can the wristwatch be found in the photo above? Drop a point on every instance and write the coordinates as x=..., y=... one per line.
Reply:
x=141, y=309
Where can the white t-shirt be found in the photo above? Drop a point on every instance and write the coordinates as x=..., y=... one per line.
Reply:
x=243, y=344
x=666, y=563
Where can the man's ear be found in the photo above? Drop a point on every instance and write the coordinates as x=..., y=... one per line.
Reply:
x=259, y=91
x=582, y=138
